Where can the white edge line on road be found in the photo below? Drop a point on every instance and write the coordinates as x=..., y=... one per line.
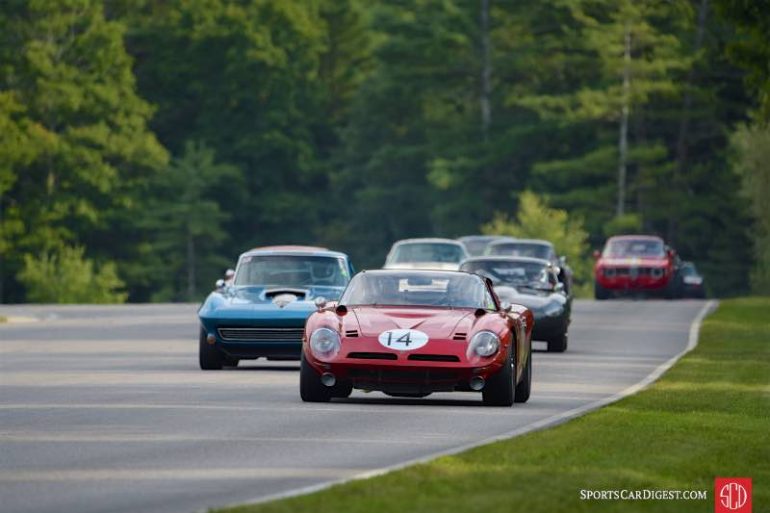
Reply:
x=548, y=422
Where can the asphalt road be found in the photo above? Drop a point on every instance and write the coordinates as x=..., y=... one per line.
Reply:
x=104, y=408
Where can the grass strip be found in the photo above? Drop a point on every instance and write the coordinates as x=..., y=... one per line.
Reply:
x=708, y=416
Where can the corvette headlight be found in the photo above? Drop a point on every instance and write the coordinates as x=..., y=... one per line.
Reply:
x=325, y=343
x=553, y=310
x=483, y=343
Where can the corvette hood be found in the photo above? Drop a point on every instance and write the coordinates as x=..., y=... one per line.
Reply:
x=436, y=322
x=265, y=302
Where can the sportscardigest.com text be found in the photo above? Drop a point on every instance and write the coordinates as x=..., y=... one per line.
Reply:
x=643, y=495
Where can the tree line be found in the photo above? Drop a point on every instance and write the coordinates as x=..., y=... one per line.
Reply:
x=145, y=143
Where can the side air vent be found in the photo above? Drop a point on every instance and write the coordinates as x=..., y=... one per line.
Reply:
x=460, y=336
x=351, y=333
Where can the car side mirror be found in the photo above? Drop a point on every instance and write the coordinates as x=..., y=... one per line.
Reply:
x=597, y=254
x=320, y=302
x=506, y=307
x=562, y=260
x=229, y=274
x=219, y=284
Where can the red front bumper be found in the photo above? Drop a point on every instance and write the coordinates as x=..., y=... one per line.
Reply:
x=631, y=280
x=371, y=367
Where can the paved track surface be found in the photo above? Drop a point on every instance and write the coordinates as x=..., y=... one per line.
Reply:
x=103, y=409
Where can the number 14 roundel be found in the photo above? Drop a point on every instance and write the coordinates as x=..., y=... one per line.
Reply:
x=403, y=340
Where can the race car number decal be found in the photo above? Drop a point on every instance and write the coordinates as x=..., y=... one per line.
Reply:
x=403, y=340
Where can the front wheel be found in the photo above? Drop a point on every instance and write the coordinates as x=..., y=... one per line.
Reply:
x=558, y=344
x=600, y=293
x=499, y=388
x=524, y=388
x=311, y=390
x=209, y=357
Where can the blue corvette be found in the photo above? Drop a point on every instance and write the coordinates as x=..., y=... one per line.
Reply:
x=263, y=311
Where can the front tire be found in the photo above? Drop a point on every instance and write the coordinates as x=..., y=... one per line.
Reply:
x=558, y=344
x=209, y=357
x=311, y=390
x=524, y=388
x=600, y=293
x=499, y=388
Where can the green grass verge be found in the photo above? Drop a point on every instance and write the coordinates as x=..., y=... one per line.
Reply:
x=708, y=416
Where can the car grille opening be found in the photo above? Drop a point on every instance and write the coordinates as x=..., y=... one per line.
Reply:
x=408, y=376
x=459, y=336
x=434, y=357
x=261, y=334
x=351, y=333
x=373, y=356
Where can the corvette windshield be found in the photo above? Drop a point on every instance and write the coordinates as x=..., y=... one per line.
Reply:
x=623, y=248
x=395, y=288
x=428, y=252
x=524, y=249
x=507, y=272
x=292, y=271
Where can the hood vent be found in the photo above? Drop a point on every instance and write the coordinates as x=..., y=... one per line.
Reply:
x=351, y=333
x=460, y=336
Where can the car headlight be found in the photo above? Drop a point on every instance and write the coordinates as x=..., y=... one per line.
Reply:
x=553, y=309
x=483, y=343
x=325, y=343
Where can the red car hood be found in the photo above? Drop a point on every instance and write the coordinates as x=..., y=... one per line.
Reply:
x=435, y=322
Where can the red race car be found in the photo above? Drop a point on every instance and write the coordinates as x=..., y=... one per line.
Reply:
x=410, y=333
x=635, y=264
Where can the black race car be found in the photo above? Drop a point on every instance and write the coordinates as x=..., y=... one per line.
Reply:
x=533, y=283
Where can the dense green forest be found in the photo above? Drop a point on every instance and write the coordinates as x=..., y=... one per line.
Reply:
x=145, y=143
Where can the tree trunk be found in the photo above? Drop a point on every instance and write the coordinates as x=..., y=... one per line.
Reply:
x=682, y=144
x=486, y=71
x=623, y=139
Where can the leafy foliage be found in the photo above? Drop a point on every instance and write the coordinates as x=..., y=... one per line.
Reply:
x=535, y=220
x=354, y=123
x=752, y=154
x=63, y=275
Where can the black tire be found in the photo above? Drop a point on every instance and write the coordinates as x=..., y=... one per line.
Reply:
x=523, y=389
x=558, y=344
x=231, y=362
x=342, y=390
x=674, y=288
x=311, y=390
x=499, y=389
x=209, y=357
x=600, y=293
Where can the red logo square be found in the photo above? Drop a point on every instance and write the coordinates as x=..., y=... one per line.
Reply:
x=732, y=495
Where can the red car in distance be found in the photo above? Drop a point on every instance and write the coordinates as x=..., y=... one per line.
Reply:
x=409, y=333
x=635, y=264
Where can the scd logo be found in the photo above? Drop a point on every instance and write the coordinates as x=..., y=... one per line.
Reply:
x=732, y=495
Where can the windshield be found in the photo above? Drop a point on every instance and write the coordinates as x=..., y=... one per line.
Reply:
x=475, y=246
x=623, y=248
x=688, y=270
x=395, y=288
x=300, y=271
x=428, y=252
x=523, y=249
x=508, y=273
